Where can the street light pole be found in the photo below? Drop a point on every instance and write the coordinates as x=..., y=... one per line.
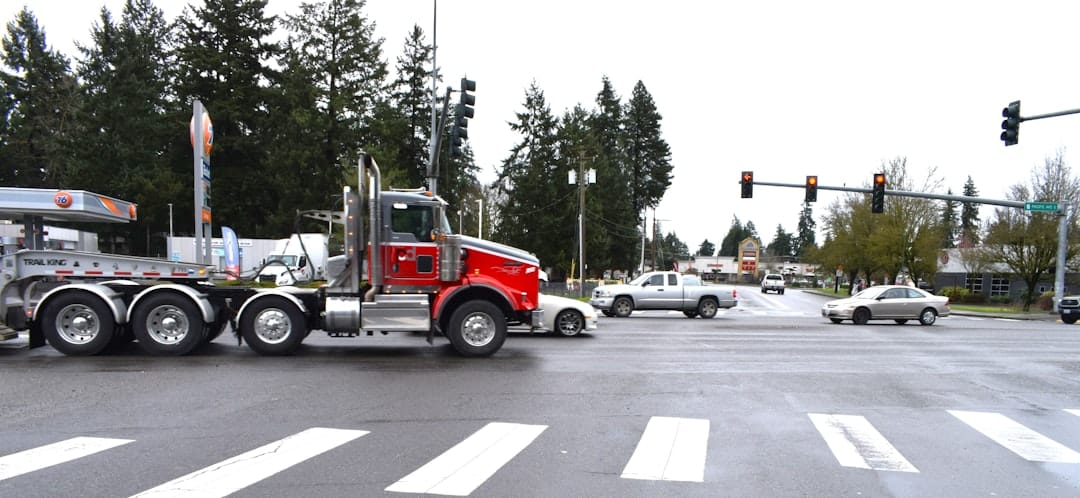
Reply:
x=583, y=180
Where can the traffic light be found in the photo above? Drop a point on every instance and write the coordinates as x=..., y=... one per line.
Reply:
x=1011, y=124
x=462, y=113
x=811, y=188
x=877, y=199
x=747, y=182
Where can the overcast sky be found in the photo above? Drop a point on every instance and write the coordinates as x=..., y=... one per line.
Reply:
x=783, y=88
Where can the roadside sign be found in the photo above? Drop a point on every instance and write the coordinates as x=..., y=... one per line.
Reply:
x=1040, y=206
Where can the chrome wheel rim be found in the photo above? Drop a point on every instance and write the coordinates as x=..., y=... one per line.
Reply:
x=272, y=326
x=478, y=329
x=569, y=323
x=167, y=324
x=77, y=324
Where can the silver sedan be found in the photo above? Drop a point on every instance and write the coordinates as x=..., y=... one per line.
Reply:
x=899, y=303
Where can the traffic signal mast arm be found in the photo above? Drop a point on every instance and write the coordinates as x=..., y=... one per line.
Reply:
x=901, y=193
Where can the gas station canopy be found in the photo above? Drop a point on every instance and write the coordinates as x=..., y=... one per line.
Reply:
x=63, y=205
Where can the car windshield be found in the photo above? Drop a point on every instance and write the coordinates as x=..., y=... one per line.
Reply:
x=640, y=279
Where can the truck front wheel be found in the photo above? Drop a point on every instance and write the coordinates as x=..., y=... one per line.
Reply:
x=273, y=326
x=168, y=324
x=78, y=324
x=622, y=307
x=477, y=328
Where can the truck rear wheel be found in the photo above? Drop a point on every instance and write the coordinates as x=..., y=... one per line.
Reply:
x=477, y=328
x=168, y=325
x=707, y=307
x=78, y=324
x=273, y=326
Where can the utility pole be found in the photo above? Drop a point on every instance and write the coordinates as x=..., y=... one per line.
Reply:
x=583, y=178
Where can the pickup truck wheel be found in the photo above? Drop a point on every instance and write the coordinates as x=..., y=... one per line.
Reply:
x=168, y=324
x=1069, y=319
x=569, y=323
x=273, y=326
x=608, y=313
x=707, y=308
x=835, y=320
x=477, y=328
x=781, y=292
x=861, y=316
x=690, y=314
x=78, y=324
x=622, y=307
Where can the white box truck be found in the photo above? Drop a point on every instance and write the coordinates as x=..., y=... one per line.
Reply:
x=297, y=260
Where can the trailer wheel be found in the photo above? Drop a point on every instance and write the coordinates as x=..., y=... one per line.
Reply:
x=477, y=328
x=168, y=325
x=78, y=324
x=274, y=326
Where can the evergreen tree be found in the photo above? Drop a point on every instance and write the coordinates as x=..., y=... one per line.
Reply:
x=805, y=241
x=124, y=76
x=737, y=233
x=338, y=46
x=969, y=217
x=527, y=194
x=39, y=99
x=949, y=223
x=782, y=243
x=412, y=97
x=649, y=156
x=706, y=248
x=222, y=55
x=620, y=223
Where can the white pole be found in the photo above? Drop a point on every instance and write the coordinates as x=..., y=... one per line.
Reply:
x=480, y=217
x=168, y=248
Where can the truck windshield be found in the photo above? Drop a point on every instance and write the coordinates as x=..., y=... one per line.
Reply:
x=285, y=259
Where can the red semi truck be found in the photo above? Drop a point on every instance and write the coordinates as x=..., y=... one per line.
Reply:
x=423, y=278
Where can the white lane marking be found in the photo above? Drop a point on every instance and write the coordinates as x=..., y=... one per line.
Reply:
x=1073, y=411
x=670, y=449
x=463, y=468
x=241, y=471
x=1019, y=439
x=20, y=463
x=856, y=443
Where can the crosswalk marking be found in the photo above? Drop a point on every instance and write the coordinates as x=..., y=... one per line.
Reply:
x=670, y=449
x=241, y=471
x=463, y=468
x=856, y=443
x=1019, y=439
x=20, y=463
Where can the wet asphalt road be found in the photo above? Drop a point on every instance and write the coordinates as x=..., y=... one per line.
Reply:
x=770, y=400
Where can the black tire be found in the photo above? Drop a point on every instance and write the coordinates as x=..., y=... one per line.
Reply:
x=1069, y=319
x=927, y=316
x=569, y=323
x=168, y=325
x=835, y=320
x=690, y=314
x=477, y=328
x=900, y=321
x=78, y=324
x=273, y=326
x=608, y=313
x=707, y=308
x=763, y=291
x=781, y=292
x=861, y=316
x=622, y=307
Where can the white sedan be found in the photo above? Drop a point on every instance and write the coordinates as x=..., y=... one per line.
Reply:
x=567, y=317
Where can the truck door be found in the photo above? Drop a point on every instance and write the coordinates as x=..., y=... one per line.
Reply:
x=653, y=293
x=410, y=253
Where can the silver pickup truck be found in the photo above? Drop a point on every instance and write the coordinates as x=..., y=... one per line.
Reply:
x=663, y=290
